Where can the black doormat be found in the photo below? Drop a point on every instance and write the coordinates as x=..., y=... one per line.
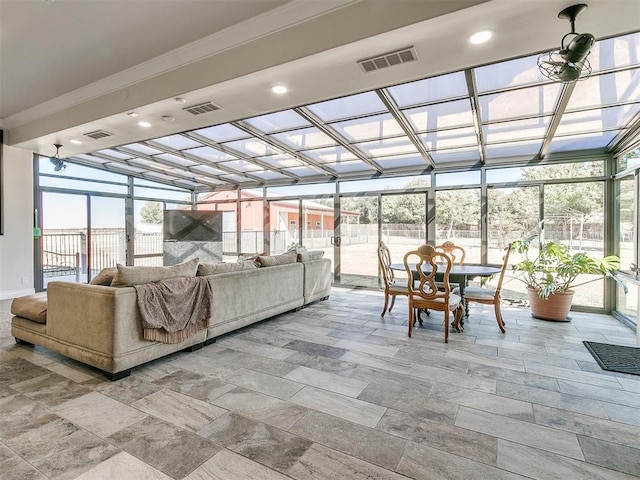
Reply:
x=615, y=358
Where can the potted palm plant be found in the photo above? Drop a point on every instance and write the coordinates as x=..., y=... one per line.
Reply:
x=551, y=276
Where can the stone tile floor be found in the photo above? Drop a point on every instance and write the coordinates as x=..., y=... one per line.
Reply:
x=333, y=392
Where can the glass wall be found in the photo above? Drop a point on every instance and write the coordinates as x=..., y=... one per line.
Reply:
x=458, y=221
x=574, y=216
x=627, y=202
x=108, y=238
x=401, y=211
x=358, y=264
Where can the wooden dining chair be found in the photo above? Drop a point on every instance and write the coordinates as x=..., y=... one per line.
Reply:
x=456, y=252
x=489, y=296
x=428, y=262
x=391, y=289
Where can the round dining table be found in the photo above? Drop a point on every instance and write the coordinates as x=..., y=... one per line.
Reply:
x=460, y=274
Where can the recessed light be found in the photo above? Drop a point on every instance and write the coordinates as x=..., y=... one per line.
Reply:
x=168, y=118
x=144, y=124
x=279, y=89
x=481, y=37
x=76, y=142
x=132, y=114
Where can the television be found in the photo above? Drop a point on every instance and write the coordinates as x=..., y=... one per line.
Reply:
x=192, y=226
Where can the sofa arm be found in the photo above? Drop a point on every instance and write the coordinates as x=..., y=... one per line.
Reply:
x=317, y=279
x=98, y=318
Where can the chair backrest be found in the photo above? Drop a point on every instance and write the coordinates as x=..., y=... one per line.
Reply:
x=426, y=261
x=456, y=252
x=505, y=264
x=384, y=260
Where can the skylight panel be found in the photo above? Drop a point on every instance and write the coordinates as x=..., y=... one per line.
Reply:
x=140, y=148
x=306, y=138
x=241, y=166
x=280, y=161
x=84, y=156
x=270, y=175
x=207, y=170
x=235, y=178
x=351, y=167
x=302, y=171
x=402, y=161
x=616, y=52
x=348, y=107
x=525, y=102
x=513, y=149
x=598, y=119
x=275, y=122
x=125, y=168
x=529, y=128
x=608, y=89
x=369, y=128
x=333, y=154
x=160, y=176
x=582, y=142
x=442, y=115
x=210, y=154
x=115, y=154
x=144, y=163
x=222, y=133
x=443, y=87
x=454, y=138
x=252, y=147
x=183, y=162
x=514, y=73
x=386, y=147
x=177, y=142
x=456, y=155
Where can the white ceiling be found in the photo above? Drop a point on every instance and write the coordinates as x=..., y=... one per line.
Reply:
x=68, y=67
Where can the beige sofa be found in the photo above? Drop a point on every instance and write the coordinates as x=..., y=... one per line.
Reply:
x=100, y=325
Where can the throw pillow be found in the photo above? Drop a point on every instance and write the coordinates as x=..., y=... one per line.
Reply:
x=33, y=307
x=205, y=269
x=310, y=256
x=105, y=277
x=271, y=261
x=129, y=276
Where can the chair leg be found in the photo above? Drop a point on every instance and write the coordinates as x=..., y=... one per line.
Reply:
x=410, y=318
x=393, y=302
x=386, y=301
x=499, y=318
x=446, y=326
x=457, y=316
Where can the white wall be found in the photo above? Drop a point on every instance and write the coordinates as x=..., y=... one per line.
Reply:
x=16, y=245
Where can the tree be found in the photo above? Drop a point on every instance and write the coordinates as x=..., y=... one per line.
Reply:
x=151, y=212
x=456, y=208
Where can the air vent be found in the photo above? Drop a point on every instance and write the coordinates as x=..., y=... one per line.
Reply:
x=389, y=59
x=98, y=134
x=202, y=108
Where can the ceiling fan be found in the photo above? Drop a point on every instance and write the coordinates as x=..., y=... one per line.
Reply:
x=570, y=63
x=59, y=165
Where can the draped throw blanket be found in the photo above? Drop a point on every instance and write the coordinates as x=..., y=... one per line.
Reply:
x=174, y=309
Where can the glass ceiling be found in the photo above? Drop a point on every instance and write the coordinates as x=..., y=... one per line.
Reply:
x=494, y=113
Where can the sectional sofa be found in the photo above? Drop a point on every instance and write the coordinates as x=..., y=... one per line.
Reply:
x=100, y=325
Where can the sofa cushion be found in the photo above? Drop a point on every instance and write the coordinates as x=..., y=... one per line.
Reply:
x=310, y=255
x=244, y=257
x=105, y=277
x=205, y=269
x=273, y=260
x=33, y=307
x=129, y=276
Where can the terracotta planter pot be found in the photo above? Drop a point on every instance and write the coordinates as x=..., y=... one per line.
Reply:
x=555, y=308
